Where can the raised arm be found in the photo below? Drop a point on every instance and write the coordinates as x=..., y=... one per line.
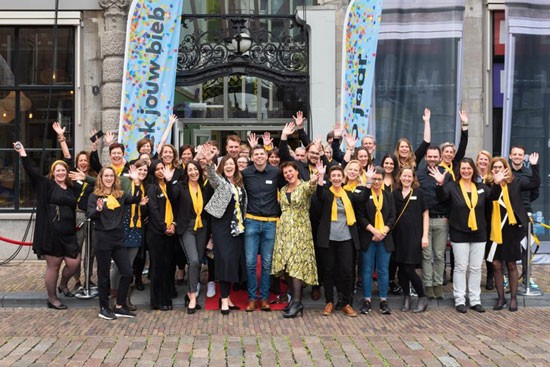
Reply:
x=62, y=140
x=462, y=145
x=171, y=121
x=284, y=152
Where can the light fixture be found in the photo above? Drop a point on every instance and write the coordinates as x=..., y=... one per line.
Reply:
x=241, y=41
x=7, y=106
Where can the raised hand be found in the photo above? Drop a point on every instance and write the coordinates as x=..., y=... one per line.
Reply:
x=437, y=174
x=168, y=173
x=19, y=148
x=133, y=173
x=252, y=140
x=463, y=117
x=370, y=172
x=94, y=143
x=77, y=175
x=501, y=176
x=321, y=168
x=299, y=120
x=351, y=140
x=99, y=204
x=172, y=119
x=207, y=152
x=109, y=138
x=338, y=131
x=268, y=142
x=58, y=129
x=534, y=158
x=288, y=130
x=144, y=200
x=427, y=115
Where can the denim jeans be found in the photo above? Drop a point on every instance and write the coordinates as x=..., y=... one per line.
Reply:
x=379, y=256
x=258, y=235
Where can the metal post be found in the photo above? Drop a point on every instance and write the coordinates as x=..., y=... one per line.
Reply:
x=87, y=292
x=529, y=291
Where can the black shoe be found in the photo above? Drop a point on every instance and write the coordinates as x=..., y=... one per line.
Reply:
x=499, y=305
x=66, y=292
x=224, y=312
x=445, y=280
x=478, y=308
x=124, y=312
x=461, y=308
x=295, y=309
x=513, y=305
x=490, y=285
x=107, y=314
x=139, y=284
x=60, y=307
x=385, y=308
x=366, y=307
x=395, y=289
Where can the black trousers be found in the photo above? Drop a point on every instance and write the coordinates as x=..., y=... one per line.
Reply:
x=119, y=254
x=160, y=272
x=338, y=269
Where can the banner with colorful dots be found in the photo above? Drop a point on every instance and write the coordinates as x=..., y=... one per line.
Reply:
x=148, y=86
x=360, y=40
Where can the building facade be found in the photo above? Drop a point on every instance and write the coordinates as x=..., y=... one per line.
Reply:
x=277, y=56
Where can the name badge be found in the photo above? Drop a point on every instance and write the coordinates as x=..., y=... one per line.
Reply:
x=126, y=174
x=160, y=196
x=357, y=191
x=480, y=191
x=370, y=197
x=413, y=197
x=268, y=182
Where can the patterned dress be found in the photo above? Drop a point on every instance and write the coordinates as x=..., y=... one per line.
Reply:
x=293, y=252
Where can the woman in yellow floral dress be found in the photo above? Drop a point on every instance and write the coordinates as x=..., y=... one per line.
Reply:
x=293, y=254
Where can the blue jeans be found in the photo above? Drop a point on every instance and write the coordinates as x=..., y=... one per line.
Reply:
x=379, y=256
x=258, y=235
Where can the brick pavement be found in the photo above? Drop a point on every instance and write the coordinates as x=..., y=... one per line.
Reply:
x=441, y=337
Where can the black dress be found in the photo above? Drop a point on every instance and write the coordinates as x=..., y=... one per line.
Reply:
x=407, y=233
x=227, y=249
x=54, y=233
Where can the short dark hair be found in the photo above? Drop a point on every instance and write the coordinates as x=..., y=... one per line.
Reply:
x=116, y=145
x=336, y=167
x=434, y=147
x=518, y=147
x=292, y=164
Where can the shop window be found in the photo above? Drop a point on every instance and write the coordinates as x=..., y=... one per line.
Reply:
x=32, y=96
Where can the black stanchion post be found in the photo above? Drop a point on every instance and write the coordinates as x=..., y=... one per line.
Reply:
x=529, y=291
x=88, y=292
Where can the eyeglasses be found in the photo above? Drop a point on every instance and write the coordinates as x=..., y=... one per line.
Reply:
x=377, y=179
x=314, y=153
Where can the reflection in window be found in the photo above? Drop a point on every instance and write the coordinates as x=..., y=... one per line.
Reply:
x=264, y=7
x=24, y=99
x=411, y=75
x=531, y=109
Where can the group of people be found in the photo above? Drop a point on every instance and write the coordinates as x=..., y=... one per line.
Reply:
x=316, y=215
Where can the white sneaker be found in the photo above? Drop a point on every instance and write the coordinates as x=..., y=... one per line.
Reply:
x=210, y=289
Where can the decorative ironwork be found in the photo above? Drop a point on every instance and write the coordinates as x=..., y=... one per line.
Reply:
x=271, y=47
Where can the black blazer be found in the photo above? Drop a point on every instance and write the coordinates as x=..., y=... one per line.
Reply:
x=182, y=205
x=325, y=198
x=365, y=215
x=156, y=209
x=458, y=217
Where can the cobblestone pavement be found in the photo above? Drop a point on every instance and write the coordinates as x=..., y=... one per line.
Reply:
x=33, y=335
x=442, y=337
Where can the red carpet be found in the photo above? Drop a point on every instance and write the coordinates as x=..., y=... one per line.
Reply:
x=240, y=298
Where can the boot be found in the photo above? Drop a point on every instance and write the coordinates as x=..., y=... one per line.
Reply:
x=406, y=304
x=131, y=306
x=422, y=305
x=295, y=309
x=438, y=291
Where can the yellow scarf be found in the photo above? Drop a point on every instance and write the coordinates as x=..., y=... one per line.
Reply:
x=136, y=223
x=496, y=221
x=239, y=216
x=112, y=202
x=471, y=204
x=342, y=195
x=118, y=169
x=378, y=218
x=350, y=186
x=196, y=198
x=449, y=169
x=168, y=213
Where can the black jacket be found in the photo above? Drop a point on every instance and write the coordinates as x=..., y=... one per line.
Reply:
x=182, y=205
x=365, y=215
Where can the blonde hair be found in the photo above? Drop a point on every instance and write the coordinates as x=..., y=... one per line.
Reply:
x=101, y=190
x=410, y=160
x=415, y=184
x=51, y=175
x=353, y=161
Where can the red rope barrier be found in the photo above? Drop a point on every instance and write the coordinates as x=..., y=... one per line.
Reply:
x=21, y=243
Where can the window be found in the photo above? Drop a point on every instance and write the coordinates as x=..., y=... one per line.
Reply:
x=527, y=103
x=27, y=109
x=418, y=65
